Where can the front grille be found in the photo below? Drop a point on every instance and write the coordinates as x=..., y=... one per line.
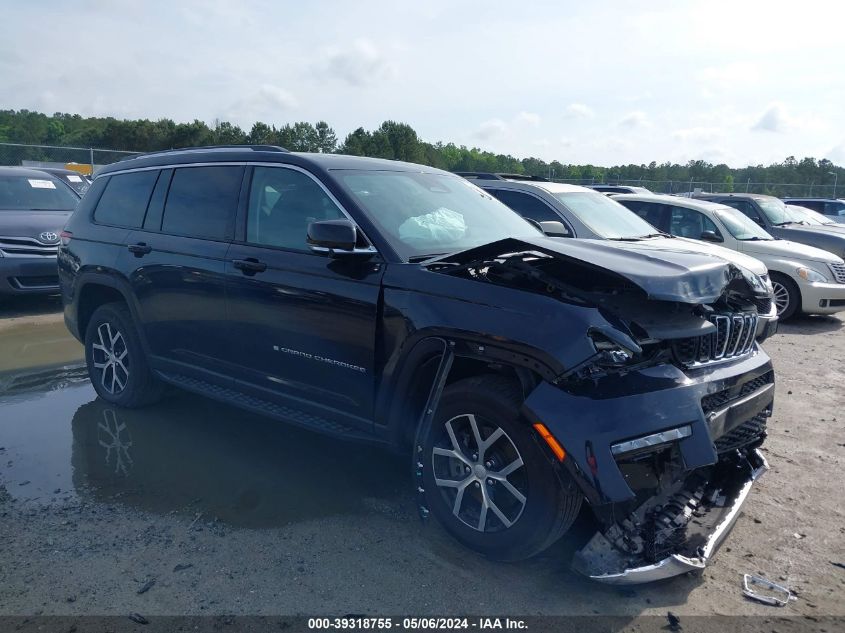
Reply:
x=748, y=432
x=764, y=306
x=717, y=400
x=838, y=271
x=32, y=282
x=26, y=247
x=734, y=337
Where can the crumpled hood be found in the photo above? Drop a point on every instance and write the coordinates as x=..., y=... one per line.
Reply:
x=31, y=223
x=663, y=274
x=682, y=244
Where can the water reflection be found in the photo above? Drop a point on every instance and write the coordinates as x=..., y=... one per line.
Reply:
x=187, y=455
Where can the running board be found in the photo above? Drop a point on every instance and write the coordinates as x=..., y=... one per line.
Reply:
x=267, y=408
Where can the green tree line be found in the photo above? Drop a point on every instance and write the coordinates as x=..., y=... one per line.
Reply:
x=398, y=141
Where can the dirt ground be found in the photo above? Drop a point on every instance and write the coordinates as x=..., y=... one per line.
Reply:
x=191, y=507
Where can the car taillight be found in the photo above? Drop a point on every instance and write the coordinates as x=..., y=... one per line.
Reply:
x=65, y=237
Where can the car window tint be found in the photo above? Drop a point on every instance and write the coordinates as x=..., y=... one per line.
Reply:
x=690, y=223
x=834, y=208
x=124, y=202
x=526, y=205
x=202, y=201
x=648, y=211
x=282, y=203
x=745, y=207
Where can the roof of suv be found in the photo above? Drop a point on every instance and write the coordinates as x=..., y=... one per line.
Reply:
x=749, y=196
x=262, y=153
x=688, y=203
x=813, y=199
x=514, y=183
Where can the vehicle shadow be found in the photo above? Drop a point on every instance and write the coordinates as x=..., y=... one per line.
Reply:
x=804, y=325
x=13, y=306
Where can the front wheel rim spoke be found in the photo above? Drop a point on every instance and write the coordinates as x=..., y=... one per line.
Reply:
x=501, y=515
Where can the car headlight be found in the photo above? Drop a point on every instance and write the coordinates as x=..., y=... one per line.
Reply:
x=812, y=275
x=612, y=353
x=757, y=283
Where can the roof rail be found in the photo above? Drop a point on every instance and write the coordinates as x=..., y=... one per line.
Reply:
x=483, y=175
x=254, y=148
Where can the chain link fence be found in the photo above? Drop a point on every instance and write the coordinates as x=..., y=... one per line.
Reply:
x=90, y=159
x=86, y=160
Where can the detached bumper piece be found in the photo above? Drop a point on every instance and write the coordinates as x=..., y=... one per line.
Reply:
x=677, y=532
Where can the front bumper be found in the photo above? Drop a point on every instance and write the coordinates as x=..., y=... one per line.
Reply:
x=28, y=275
x=676, y=563
x=722, y=411
x=817, y=298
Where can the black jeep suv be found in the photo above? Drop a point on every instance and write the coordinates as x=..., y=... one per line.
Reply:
x=401, y=304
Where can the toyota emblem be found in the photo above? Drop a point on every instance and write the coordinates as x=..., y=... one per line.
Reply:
x=48, y=237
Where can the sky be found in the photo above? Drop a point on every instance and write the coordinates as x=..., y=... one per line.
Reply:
x=607, y=82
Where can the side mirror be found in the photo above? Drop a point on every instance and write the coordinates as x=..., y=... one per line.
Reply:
x=335, y=238
x=553, y=228
x=711, y=236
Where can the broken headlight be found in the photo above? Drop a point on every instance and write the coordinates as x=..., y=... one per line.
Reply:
x=613, y=353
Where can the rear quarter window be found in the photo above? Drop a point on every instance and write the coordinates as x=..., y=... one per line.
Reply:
x=124, y=201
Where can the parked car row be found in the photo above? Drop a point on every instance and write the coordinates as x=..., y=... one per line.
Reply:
x=533, y=346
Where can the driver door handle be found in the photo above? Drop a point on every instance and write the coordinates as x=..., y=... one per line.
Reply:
x=249, y=266
x=140, y=249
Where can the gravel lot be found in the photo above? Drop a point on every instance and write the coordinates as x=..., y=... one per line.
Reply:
x=212, y=510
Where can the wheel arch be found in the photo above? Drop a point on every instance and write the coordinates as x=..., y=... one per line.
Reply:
x=95, y=289
x=424, y=374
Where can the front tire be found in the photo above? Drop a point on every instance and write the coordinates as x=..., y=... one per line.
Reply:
x=116, y=362
x=787, y=295
x=486, y=478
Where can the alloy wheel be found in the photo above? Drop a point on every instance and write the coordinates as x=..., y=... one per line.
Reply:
x=480, y=474
x=111, y=358
x=781, y=297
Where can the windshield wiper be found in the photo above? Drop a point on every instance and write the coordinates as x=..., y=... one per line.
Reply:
x=754, y=238
x=784, y=223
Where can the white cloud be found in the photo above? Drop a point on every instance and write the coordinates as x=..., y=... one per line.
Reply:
x=266, y=103
x=635, y=119
x=528, y=118
x=358, y=64
x=578, y=111
x=491, y=129
x=774, y=119
x=698, y=134
x=730, y=74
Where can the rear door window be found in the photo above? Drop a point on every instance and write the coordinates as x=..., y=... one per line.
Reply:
x=125, y=199
x=527, y=206
x=689, y=223
x=202, y=202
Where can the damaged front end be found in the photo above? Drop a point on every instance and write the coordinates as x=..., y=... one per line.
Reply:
x=676, y=531
x=662, y=419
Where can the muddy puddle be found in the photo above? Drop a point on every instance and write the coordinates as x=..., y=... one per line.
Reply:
x=187, y=454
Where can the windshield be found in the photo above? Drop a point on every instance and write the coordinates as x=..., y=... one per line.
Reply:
x=40, y=193
x=604, y=216
x=803, y=214
x=740, y=225
x=432, y=214
x=775, y=210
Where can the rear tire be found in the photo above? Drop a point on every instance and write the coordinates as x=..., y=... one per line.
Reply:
x=787, y=295
x=116, y=362
x=500, y=496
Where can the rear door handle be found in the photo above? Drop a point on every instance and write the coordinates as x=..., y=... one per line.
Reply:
x=249, y=266
x=140, y=249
